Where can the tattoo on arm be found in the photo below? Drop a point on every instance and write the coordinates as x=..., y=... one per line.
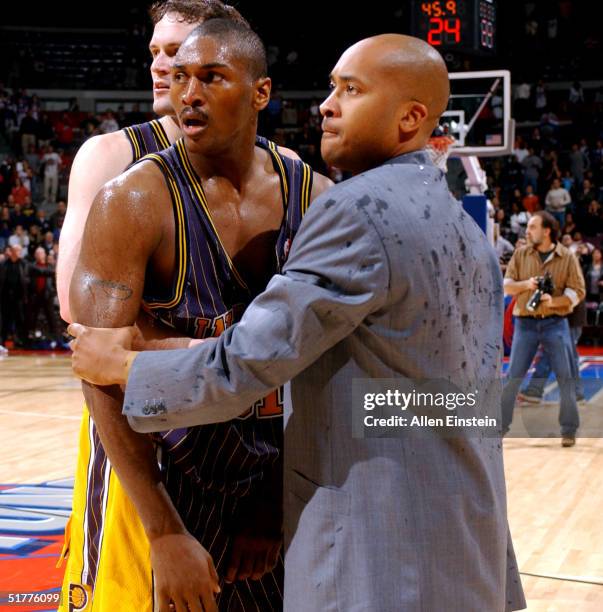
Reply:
x=112, y=289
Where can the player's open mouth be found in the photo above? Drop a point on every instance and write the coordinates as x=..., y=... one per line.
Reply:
x=192, y=126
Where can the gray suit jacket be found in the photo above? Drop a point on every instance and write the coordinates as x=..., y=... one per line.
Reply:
x=387, y=278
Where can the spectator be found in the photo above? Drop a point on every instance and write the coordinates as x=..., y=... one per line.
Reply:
x=511, y=175
x=585, y=195
x=552, y=167
x=28, y=130
x=18, y=218
x=531, y=202
x=567, y=241
x=532, y=165
x=108, y=124
x=13, y=297
x=21, y=239
x=52, y=165
x=41, y=222
x=567, y=181
x=593, y=223
x=504, y=249
x=570, y=225
x=580, y=246
x=29, y=211
x=5, y=228
x=33, y=159
x=58, y=218
x=594, y=277
x=64, y=131
x=41, y=295
x=579, y=163
x=501, y=220
x=90, y=126
x=519, y=221
x=45, y=132
x=557, y=200
x=540, y=98
x=48, y=243
x=25, y=173
x=20, y=192
x=35, y=240
x=597, y=154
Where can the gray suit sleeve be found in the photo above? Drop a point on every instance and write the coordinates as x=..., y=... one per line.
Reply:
x=336, y=275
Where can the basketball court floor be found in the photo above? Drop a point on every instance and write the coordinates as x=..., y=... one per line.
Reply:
x=555, y=495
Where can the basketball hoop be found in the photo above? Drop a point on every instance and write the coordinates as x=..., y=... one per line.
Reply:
x=438, y=148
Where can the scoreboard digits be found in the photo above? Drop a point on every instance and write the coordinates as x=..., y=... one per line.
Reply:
x=463, y=25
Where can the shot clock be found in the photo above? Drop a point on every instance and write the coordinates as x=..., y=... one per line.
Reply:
x=467, y=26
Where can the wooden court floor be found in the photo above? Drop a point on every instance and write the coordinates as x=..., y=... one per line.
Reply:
x=555, y=495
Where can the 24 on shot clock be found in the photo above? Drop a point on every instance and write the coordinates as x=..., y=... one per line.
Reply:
x=467, y=26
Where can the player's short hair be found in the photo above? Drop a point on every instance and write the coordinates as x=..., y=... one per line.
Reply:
x=193, y=11
x=239, y=37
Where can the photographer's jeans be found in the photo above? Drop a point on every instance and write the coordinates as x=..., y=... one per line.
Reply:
x=554, y=336
x=543, y=369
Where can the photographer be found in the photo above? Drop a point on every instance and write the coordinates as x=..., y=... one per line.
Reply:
x=546, y=323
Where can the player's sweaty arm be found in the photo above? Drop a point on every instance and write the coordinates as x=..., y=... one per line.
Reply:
x=100, y=159
x=125, y=228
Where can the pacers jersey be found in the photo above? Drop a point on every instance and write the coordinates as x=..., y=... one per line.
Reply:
x=146, y=138
x=104, y=538
x=209, y=295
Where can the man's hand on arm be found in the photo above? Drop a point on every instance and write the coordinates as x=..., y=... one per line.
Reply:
x=104, y=355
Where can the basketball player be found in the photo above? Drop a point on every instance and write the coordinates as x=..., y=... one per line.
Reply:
x=214, y=216
x=106, y=156
x=104, y=514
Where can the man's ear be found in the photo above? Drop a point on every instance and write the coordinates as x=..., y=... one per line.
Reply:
x=412, y=117
x=261, y=97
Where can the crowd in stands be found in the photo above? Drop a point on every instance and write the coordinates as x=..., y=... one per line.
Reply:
x=33, y=174
x=557, y=165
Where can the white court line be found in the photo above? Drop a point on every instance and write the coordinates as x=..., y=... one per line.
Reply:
x=40, y=415
x=584, y=579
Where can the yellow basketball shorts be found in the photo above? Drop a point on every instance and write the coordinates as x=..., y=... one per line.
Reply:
x=108, y=564
x=106, y=551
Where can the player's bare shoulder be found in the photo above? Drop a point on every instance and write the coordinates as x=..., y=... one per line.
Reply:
x=320, y=184
x=112, y=152
x=287, y=152
x=141, y=191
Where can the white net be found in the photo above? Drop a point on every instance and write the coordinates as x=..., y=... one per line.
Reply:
x=438, y=148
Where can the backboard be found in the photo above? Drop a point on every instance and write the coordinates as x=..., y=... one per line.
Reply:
x=478, y=116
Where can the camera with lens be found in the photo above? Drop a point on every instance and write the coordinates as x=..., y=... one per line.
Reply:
x=545, y=285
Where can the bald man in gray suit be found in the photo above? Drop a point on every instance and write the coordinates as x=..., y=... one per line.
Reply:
x=387, y=279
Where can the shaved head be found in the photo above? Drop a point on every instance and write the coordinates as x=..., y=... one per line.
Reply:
x=416, y=68
x=388, y=94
